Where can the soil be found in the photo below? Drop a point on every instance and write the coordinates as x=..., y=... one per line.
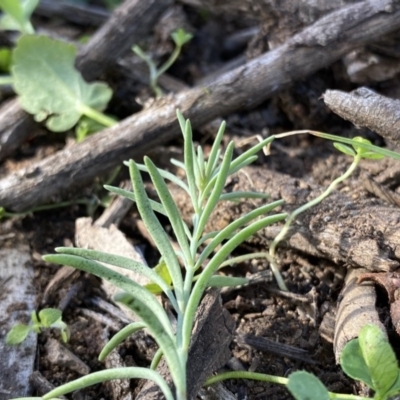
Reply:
x=264, y=316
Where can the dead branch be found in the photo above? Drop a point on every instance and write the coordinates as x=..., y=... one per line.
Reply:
x=316, y=47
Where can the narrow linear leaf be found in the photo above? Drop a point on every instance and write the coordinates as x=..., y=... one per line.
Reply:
x=188, y=153
x=164, y=341
x=49, y=85
x=122, y=262
x=233, y=227
x=216, y=191
x=235, y=196
x=157, y=207
x=215, y=151
x=156, y=231
x=119, y=337
x=305, y=386
x=119, y=280
x=108, y=375
x=171, y=209
x=165, y=174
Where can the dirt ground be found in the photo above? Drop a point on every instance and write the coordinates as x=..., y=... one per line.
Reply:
x=276, y=333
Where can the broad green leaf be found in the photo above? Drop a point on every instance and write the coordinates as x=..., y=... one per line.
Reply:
x=164, y=341
x=119, y=337
x=162, y=271
x=49, y=316
x=379, y=358
x=305, y=386
x=345, y=149
x=17, y=15
x=146, y=299
x=49, y=85
x=17, y=334
x=108, y=375
x=354, y=363
x=156, y=231
x=226, y=281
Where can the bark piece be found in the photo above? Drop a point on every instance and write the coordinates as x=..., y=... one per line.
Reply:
x=356, y=309
x=79, y=14
x=391, y=282
x=363, y=107
x=314, y=48
x=209, y=348
x=128, y=24
x=15, y=127
x=16, y=304
x=58, y=354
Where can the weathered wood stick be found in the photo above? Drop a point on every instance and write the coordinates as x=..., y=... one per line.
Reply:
x=315, y=47
x=366, y=108
x=128, y=24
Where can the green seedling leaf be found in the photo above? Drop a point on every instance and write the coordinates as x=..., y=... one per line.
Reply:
x=371, y=360
x=345, y=149
x=50, y=87
x=119, y=337
x=162, y=271
x=49, y=316
x=305, y=386
x=17, y=334
x=366, y=153
x=181, y=37
x=17, y=14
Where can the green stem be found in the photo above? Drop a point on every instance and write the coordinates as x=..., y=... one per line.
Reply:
x=6, y=214
x=97, y=116
x=272, y=379
x=173, y=57
x=290, y=219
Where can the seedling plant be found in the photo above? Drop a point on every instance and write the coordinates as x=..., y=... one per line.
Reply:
x=47, y=318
